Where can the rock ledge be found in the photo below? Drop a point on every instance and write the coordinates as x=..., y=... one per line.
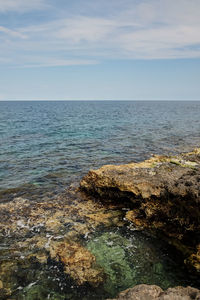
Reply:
x=164, y=196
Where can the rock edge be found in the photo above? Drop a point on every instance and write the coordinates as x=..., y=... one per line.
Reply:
x=164, y=196
x=153, y=292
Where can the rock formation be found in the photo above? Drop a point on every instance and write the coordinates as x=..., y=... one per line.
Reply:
x=36, y=232
x=55, y=243
x=153, y=292
x=78, y=262
x=163, y=194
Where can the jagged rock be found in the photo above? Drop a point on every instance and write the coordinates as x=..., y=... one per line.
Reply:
x=78, y=262
x=153, y=292
x=164, y=195
x=32, y=229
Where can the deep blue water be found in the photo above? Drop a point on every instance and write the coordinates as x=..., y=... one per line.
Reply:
x=54, y=143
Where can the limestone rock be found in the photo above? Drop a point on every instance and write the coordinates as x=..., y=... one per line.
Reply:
x=153, y=292
x=78, y=262
x=163, y=194
x=35, y=232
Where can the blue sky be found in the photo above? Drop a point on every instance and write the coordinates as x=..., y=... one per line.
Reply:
x=105, y=49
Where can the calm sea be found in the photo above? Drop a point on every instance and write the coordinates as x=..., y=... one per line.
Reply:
x=54, y=143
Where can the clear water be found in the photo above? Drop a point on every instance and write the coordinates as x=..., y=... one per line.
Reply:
x=45, y=148
x=66, y=139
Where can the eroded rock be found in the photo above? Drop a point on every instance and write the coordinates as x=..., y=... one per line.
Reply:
x=163, y=193
x=32, y=232
x=153, y=292
x=78, y=262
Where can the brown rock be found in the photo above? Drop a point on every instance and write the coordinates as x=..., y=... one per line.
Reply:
x=164, y=195
x=34, y=231
x=153, y=292
x=78, y=262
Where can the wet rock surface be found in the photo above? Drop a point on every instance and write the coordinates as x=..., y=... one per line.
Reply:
x=78, y=262
x=151, y=292
x=49, y=234
x=163, y=194
x=73, y=246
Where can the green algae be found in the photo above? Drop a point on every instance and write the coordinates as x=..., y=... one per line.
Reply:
x=35, y=292
x=128, y=261
x=110, y=253
x=127, y=257
x=184, y=163
x=39, y=292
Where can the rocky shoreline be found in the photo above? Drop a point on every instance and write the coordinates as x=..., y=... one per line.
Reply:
x=164, y=197
x=47, y=234
x=62, y=241
x=163, y=194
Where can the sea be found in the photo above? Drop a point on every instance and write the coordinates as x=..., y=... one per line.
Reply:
x=46, y=147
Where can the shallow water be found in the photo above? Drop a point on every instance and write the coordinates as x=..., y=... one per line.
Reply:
x=127, y=258
x=46, y=147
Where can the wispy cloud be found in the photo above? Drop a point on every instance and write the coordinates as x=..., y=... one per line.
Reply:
x=21, y=5
x=52, y=62
x=12, y=33
x=132, y=30
x=162, y=42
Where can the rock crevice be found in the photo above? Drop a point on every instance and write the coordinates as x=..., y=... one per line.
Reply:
x=164, y=193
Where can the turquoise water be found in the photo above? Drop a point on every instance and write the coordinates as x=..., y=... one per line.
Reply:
x=45, y=149
x=57, y=142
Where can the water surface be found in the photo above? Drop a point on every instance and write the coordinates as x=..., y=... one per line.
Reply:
x=55, y=142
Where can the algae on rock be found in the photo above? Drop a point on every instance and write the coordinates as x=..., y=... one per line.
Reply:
x=163, y=193
x=128, y=259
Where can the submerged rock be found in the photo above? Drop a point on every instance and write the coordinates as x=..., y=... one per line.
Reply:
x=110, y=252
x=4, y=293
x=153, y=292
x=48, y=247
x=129, y=258
x=163, y=194
x=78, y=262
x=50, y=230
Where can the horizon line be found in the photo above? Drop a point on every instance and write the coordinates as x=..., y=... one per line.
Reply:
x=98, y=100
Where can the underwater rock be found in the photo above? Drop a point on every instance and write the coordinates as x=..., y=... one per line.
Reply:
x=78, y=262
x=110, y=252
x=163, y=194
x=194, y=259
x=7, y=269
x=153, y=292
x=31, y=232
x=4, y=293
x=34, y=292
x=128, y=259
x=22, y=218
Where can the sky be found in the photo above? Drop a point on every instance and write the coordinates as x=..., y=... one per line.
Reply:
x=99, y=50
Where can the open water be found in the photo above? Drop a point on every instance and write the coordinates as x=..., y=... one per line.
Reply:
x=66, y=139
x=47, y=146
